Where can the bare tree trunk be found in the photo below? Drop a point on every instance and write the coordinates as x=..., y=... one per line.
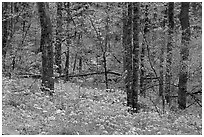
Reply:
x=58, y=38
x=67, y=6
x=184, y=52
x=163, y=45
x=80, y=64
x=105, y=50
x=129, y=56
x=169, y=51
x=135, y=53
x=124, y=39
x=74, y=65
x=67, y=63
x=47, y=49
x=4, y=32
x=80, y=55
x=142, y=56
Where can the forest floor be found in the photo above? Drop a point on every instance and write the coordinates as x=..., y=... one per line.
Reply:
x=84, y=111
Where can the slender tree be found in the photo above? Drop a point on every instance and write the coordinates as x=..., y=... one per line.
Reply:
x=68, y=41
x=4, y=31
x=169, y=51
x=106, y=45
x=124, y=38
x=128, y=51
x=142, y=56
x=47, y=49
x=163, y=45
x=135, y=56
x=80, y=65
x=184, y=52
x=58, y=38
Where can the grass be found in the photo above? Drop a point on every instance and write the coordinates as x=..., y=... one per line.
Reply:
x=76, y=110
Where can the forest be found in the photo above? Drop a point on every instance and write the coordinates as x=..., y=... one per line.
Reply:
x=101, y=68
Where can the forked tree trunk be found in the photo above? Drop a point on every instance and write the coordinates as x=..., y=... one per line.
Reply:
x=184, y=52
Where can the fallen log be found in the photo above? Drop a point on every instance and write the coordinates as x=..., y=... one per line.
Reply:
x=38, y=76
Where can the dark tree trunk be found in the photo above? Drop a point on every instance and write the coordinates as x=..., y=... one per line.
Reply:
x=67, y=63
x=169, y=51
x=58, y=38
x=135, y=53
x=142, y=56
x=105, y=50
x=80, y=55
x=129, y=56
x=67, y=6
x=4, y=32
x=105, y=69
x=74, y=65
x=184, y=52
x=47, y=49
x=80, y=64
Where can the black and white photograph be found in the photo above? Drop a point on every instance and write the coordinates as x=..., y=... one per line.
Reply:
x=101, y=68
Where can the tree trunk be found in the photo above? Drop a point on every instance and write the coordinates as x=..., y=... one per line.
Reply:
x=80, y=55
x=68, y=41
x=135, y=56
x=142, y=56
x=80, y=64
x=163, y=45
x=74, y=65
x=129, y=56
x=47, y=49
x=4, y=32
x=124, y=38
x=169, y=51
x=58, y=38
x=184, y=52
x=105, y=50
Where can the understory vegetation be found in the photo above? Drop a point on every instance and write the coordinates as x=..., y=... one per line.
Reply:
x=79, y=110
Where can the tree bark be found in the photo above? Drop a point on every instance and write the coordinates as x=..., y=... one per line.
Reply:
x=142, y=56
x=47, y=49
x=68, y=41
x=184, y=52
x=129, y=55
x=163, y=45
x=58, y=38
x=4, y=32
x=75, y=60
x=80, y=55
x=169, y=51
x=124, y=38
x=105, y=50
x=80, y=64
x=135, y=56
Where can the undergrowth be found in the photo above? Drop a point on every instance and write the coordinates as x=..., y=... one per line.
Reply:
x=75, y=110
